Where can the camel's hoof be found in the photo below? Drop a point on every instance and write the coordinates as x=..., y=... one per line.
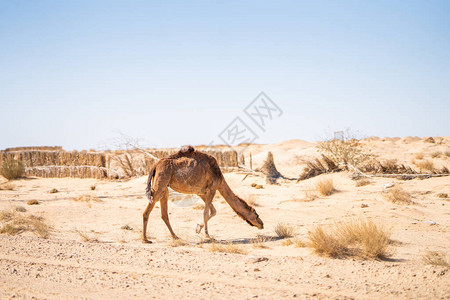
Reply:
x=198, y=229
x=175, y=237
x=146, y=242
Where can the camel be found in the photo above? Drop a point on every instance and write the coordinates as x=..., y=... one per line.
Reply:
x=192, y=172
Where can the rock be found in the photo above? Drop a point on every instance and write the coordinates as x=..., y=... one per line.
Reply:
x=257, y=259
x=389, y=185
x=364, y=205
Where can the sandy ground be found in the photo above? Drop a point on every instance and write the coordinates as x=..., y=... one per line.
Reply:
x=89, y=255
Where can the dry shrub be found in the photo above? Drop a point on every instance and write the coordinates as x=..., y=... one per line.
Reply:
x=436, y=154
x=53, y=191
x=6, y=186
x=419, y=156
x=397, y=195
x=344, y=152
x=361, y=238
x=325, y=186
x=15, y=223
x=389, y=166
x=318, y=166
x=425, y=165
x=362, y=182
x=259, y=241
x=436, y=258
x=33, y=202
x=442, y=195
x=93, y=187
x=284, y=231
x=12, y=169
x=227, y=248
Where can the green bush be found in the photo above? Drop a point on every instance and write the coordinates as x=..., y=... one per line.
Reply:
x=12, y=169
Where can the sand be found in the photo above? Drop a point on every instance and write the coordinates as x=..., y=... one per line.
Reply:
x=89, y=255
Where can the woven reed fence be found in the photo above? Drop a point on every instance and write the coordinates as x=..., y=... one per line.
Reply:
x=59, y=163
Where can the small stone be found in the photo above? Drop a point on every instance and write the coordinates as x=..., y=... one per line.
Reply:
x=257, y=259
x=364, y=205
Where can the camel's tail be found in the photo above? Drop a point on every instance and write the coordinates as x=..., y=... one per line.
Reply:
x=148, y=190
x=240, y=207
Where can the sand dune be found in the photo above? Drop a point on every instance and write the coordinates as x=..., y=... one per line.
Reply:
x=91, y=254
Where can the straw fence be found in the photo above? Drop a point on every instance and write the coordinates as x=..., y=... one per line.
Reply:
x=108, y=164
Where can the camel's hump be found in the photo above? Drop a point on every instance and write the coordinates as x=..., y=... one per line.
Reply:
x=187, y=149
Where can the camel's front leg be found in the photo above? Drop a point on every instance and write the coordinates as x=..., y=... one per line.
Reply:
x=208, y=213
x=164, y=213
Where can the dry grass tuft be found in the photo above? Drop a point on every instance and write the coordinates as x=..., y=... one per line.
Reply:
x=17, y=223
x=86, y=238
x=436, y=154
x=33, y=202
x=436, y=258
x=298, y=243
x=86, y=198
x=20, y=209
x=362, y=182
x=398, y=195
x=259, y=241
x=227, y=248
x=419, y=156
x=284, y=231
x=6, y=186
x=178, y=243
x=425, y=165
x=325, y=187
x=287, y=242
x=310, y=194
x=53, y=191
x=361, y=238
x=93, y=187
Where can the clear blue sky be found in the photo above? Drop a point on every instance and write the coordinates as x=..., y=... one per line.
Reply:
x=75, y=73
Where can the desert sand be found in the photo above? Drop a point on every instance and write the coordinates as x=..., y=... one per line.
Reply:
x=94, y=250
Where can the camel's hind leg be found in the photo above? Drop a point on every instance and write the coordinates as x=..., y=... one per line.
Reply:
x=208, y=212
x=147, y=212
x=159, y=192
x=164, y=213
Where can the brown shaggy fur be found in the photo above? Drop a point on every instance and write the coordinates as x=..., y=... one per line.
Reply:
x=192, y=172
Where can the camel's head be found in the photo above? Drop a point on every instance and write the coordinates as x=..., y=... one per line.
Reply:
x=254, y=220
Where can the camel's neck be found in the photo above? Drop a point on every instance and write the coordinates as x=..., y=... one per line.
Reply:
x=240, y=207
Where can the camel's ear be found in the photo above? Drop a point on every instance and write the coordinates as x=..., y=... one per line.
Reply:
x=249, y=223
